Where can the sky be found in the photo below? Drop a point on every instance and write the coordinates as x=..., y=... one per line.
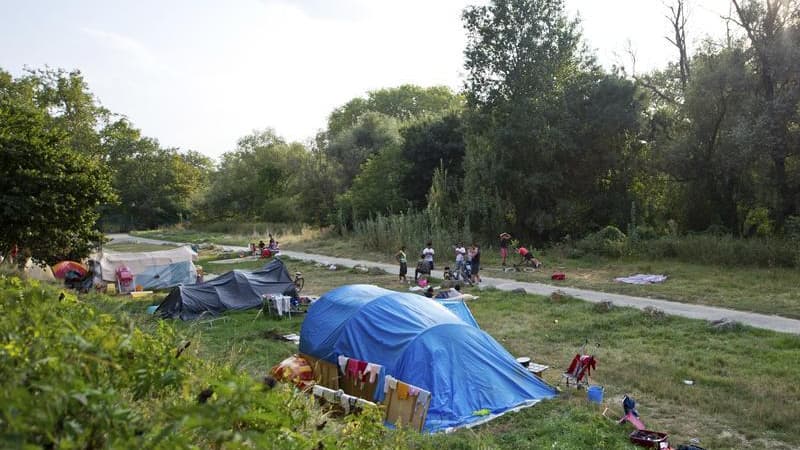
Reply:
x=199, y=74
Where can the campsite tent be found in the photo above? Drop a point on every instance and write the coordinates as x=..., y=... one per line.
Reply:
x=237, y=290
x=420, y=342
x=153, y=270
x=460, y=309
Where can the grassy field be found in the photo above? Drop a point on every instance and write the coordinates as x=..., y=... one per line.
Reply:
x=745, y=381
x=763, y=290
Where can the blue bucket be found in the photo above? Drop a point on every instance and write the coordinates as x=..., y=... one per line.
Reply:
x=152, y=309
x=595, y=394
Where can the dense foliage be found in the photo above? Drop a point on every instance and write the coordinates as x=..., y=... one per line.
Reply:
x=76, y=377
x=50, y=193
x=542, y=142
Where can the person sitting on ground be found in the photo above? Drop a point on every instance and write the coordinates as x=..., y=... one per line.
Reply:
x=261, y=245
x=447, y=274
x=526, y=257
x=422, y=268
x=429, y=292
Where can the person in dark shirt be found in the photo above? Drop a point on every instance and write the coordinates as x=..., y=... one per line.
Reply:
x=475, y=265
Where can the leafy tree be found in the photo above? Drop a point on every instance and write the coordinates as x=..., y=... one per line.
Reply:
x=773, y=30
x=73, y=108
x=254, y=181
x=355, y=145
x=403, y=103
x=546, y=128
x=156, y=186
x=378, y=188
x=49, y=193
x=427, y=143
x=316, y=186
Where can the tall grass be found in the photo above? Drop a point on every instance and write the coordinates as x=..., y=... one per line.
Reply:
x=712, y=249
x=412, y=229
x=253, y=229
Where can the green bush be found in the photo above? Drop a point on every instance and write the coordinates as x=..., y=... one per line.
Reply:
x=74, y=377
x=609, y=241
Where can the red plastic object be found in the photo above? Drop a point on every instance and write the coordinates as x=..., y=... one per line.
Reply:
x=60, y=269
x=647, y=438
x=558, y=276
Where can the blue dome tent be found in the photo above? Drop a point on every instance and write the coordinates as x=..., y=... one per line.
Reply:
x=421, y=342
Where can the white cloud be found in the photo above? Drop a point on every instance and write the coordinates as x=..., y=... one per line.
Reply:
x=129, y=49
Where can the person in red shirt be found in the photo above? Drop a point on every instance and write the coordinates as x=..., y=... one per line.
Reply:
x=528, y=258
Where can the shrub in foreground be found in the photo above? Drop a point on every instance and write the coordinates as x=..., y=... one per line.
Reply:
x=74, y=377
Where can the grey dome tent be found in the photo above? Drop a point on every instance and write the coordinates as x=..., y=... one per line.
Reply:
x=234, y=290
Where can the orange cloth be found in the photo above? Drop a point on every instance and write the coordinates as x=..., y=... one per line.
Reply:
x=402, y=390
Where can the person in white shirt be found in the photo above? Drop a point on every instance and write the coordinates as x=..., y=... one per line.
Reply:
x=460, y=255
x=427, y=253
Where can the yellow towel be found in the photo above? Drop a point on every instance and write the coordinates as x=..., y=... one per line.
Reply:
x=402, y=391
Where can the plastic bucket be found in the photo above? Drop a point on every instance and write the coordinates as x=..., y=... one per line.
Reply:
x=595, y=394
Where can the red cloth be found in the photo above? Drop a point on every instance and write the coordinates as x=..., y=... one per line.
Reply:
x=352, y=368
x=362, y=370
x=558, y=276
x=582, y=366
x=266, y=253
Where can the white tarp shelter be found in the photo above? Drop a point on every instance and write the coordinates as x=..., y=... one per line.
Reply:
x=153, y=270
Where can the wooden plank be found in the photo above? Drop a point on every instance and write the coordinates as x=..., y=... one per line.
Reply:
x=407, y=412
x=325, y=373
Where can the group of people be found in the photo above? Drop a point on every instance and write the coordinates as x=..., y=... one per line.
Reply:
x=467, y=260
x=425, y=264
x=265, y=250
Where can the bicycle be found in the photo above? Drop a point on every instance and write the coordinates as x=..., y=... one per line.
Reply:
x=299, y=281
x=463, y=274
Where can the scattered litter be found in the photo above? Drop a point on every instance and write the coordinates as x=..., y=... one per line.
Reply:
x=724, y=324
x=655, y=313
x=603, y=307
x=332, y=267
x=688, y=382
x=641, y=278
x=292, y=338
x=360, y=268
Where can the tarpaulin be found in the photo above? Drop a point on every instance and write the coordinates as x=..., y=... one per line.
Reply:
x=234, y=290
x=422, y=343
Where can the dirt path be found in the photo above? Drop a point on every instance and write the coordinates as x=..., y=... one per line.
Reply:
x=774, y=323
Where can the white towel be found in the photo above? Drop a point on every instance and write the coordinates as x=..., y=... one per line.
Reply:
x=343, y=363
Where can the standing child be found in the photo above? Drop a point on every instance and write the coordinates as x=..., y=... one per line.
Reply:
x=400, y=256
x=505, y=239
